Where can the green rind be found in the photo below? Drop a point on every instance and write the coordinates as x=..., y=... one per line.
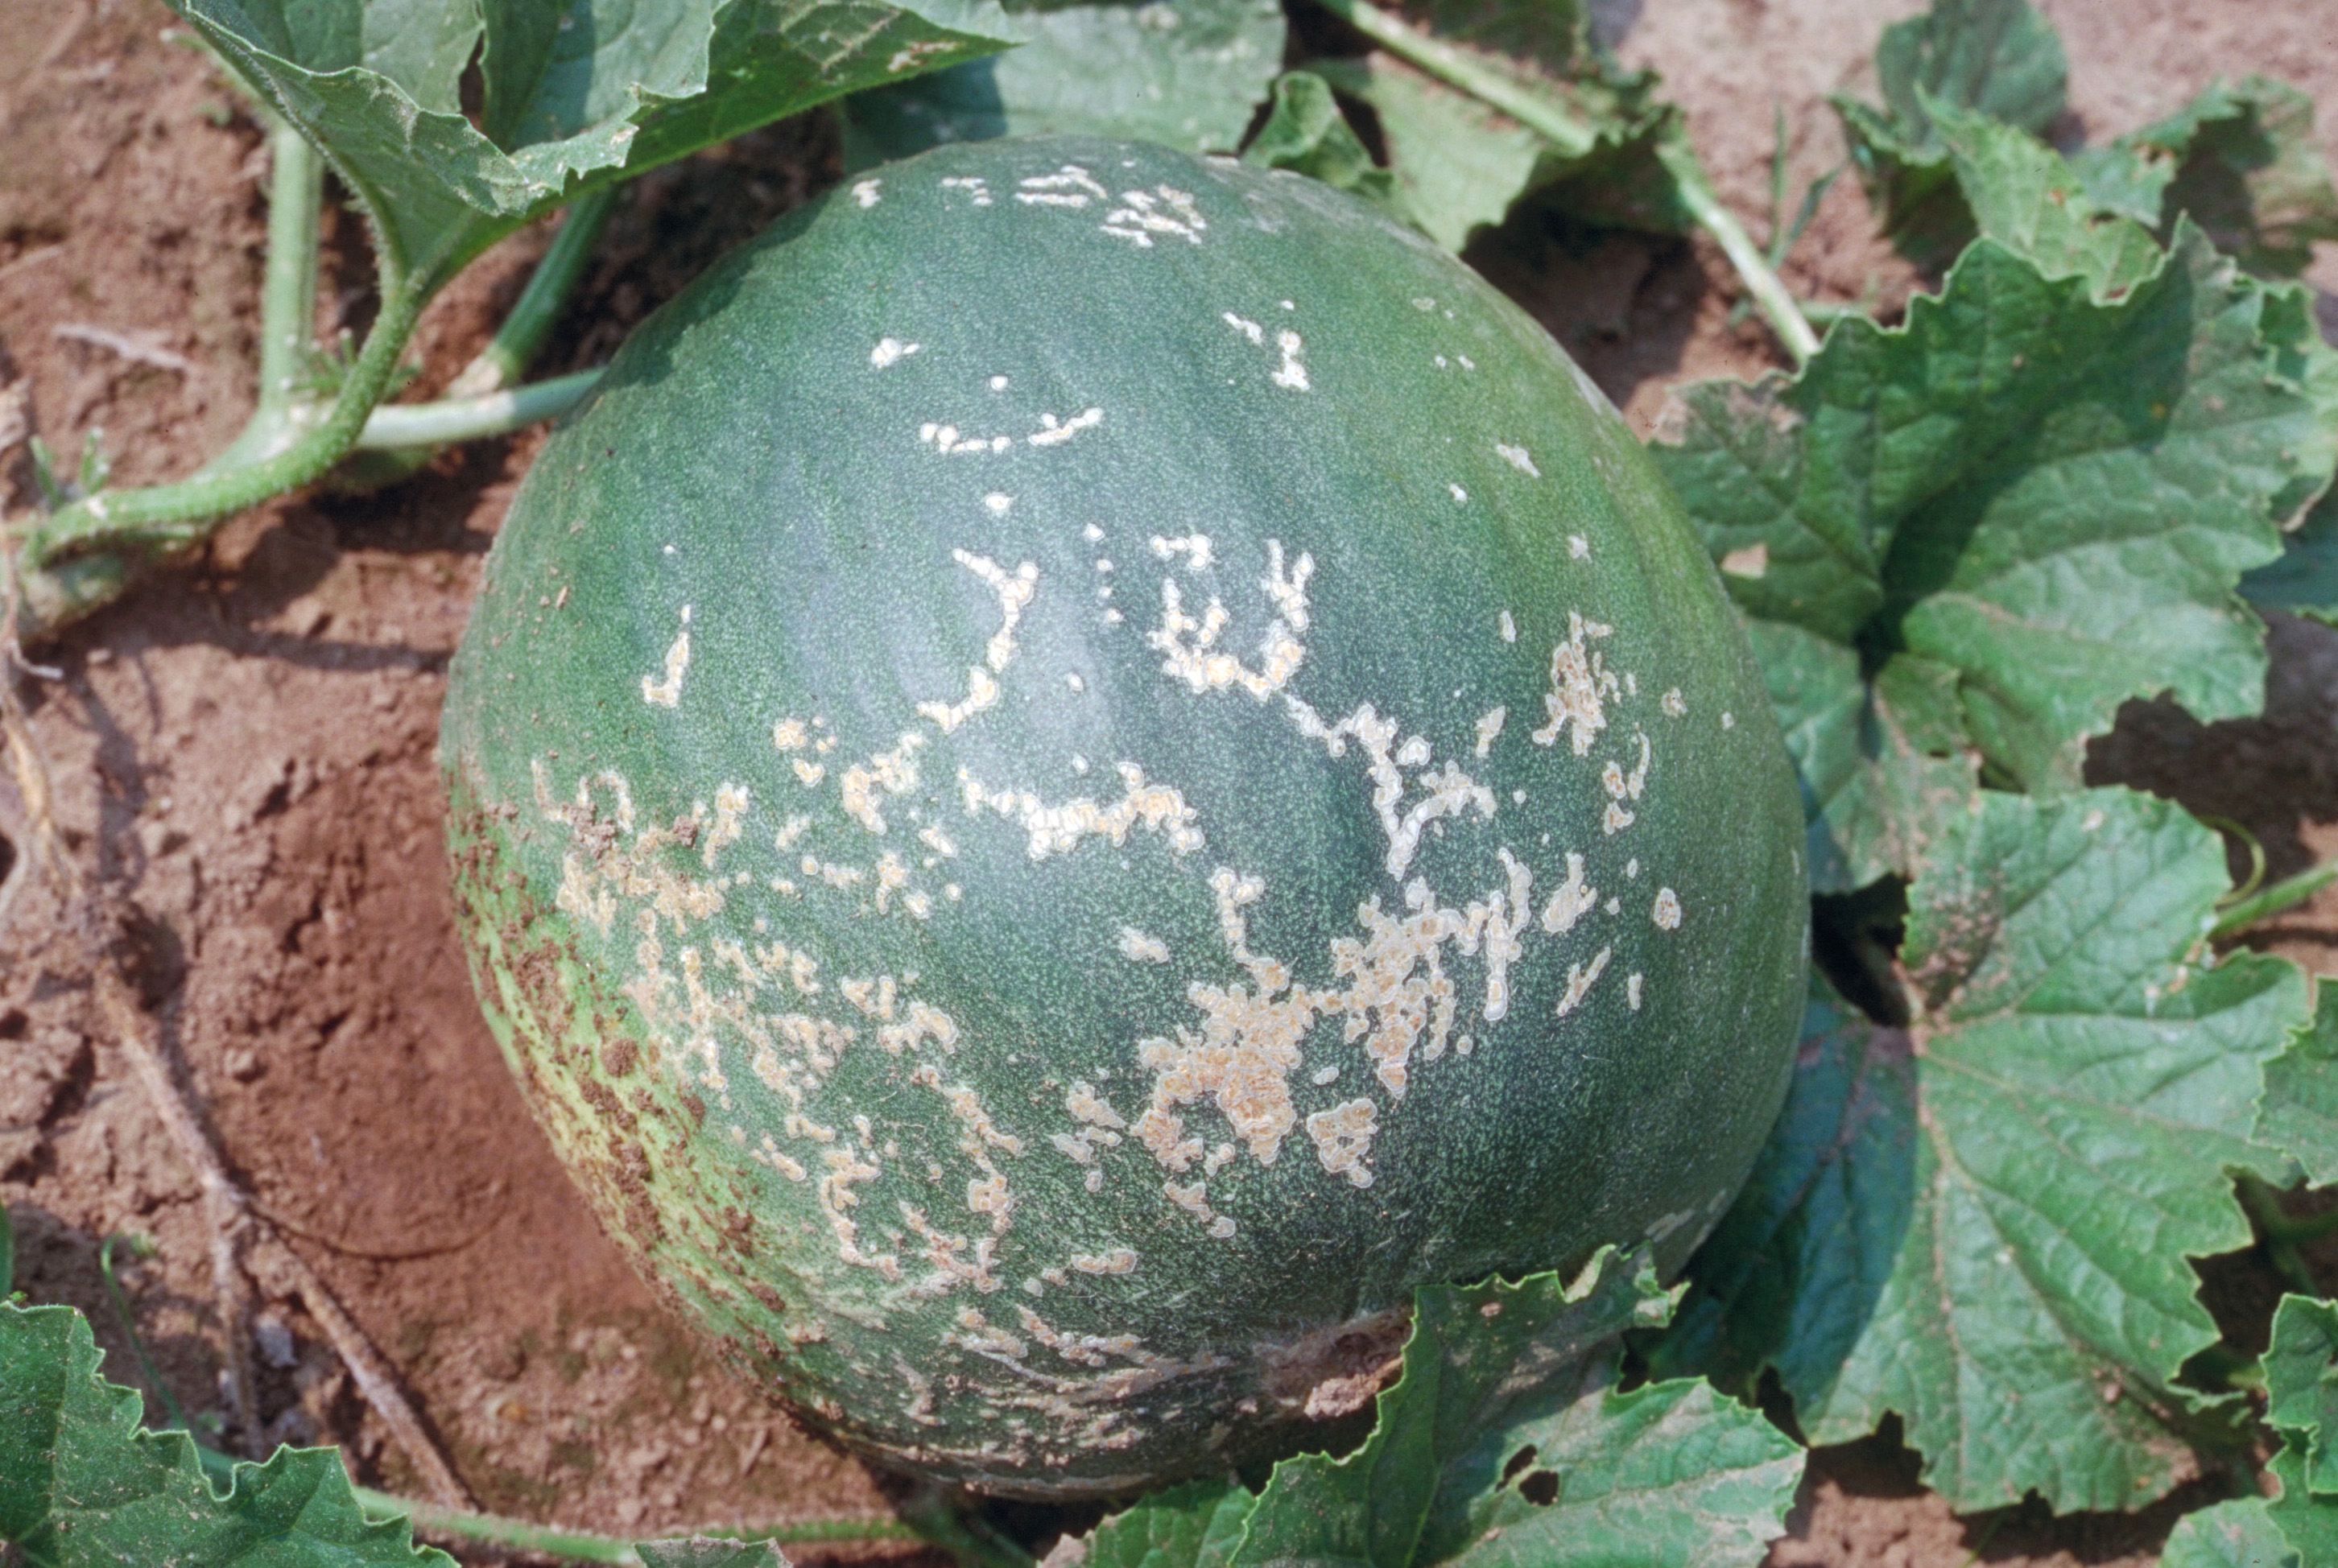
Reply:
x=755, y=454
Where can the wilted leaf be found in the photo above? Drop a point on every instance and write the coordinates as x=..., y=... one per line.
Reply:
x=1187, y=74
x=1984, y=1223
x=575, y=94
x=80, y=1482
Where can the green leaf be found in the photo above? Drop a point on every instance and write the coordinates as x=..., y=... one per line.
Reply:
x=1505, y=1442
x=2309, y=1524
x=576, y=95
x=2298, y=1114
x=1983, y=1222
x=1999, y=59
x=2236, y=1534
x=2048, y=495
x=2026, y=197
x=1884, y=763
x=2300, y=1373
x=1195, y=1526
x=705, y=1551
x=2241, y=161
x=1306, y=132
x=2304, y=580
x=1462, y=165
x=1187, y=74
x=1792, y=1276
x=81, y=1483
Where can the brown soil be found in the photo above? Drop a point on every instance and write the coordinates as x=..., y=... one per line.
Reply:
x=243, y=752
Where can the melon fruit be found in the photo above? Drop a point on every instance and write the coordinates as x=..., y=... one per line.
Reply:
x=1086, y=767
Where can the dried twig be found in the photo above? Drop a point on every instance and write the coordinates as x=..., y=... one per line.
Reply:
x=32, y=259
x=286, y=1271
x=142, y=347
x=223, y=1205
x=234, y=1221
x=43, y=845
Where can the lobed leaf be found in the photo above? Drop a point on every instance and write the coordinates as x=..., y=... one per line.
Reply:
x=1188, y=73
x=1792, y=1276
x=1197, y=1524
x=81, y=1483
x=1503, y=1441
x=2241, y=161
x=2240, y=1533
x=1999, y=59
x=2298, y=1114
x=2026, y=197
x=1983, y=1223
x=1973, y=536
x=574, y=96
x=2308, y=1522
x=2300, y=1373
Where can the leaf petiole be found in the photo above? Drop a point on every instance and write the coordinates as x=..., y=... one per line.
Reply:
x=577, y=1545
x=1762, y=281
x=405, y=426
x=165, y=516
x=532, y=316
x=2267, y=902
x=1456, y=68
x=288, y=295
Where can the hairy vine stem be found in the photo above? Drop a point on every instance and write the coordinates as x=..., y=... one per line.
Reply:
x=496, y=1529
x=586, y=1546
x=87, y=554
x=288, y=294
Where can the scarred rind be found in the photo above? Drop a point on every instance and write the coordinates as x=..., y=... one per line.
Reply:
x=1086, y=766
